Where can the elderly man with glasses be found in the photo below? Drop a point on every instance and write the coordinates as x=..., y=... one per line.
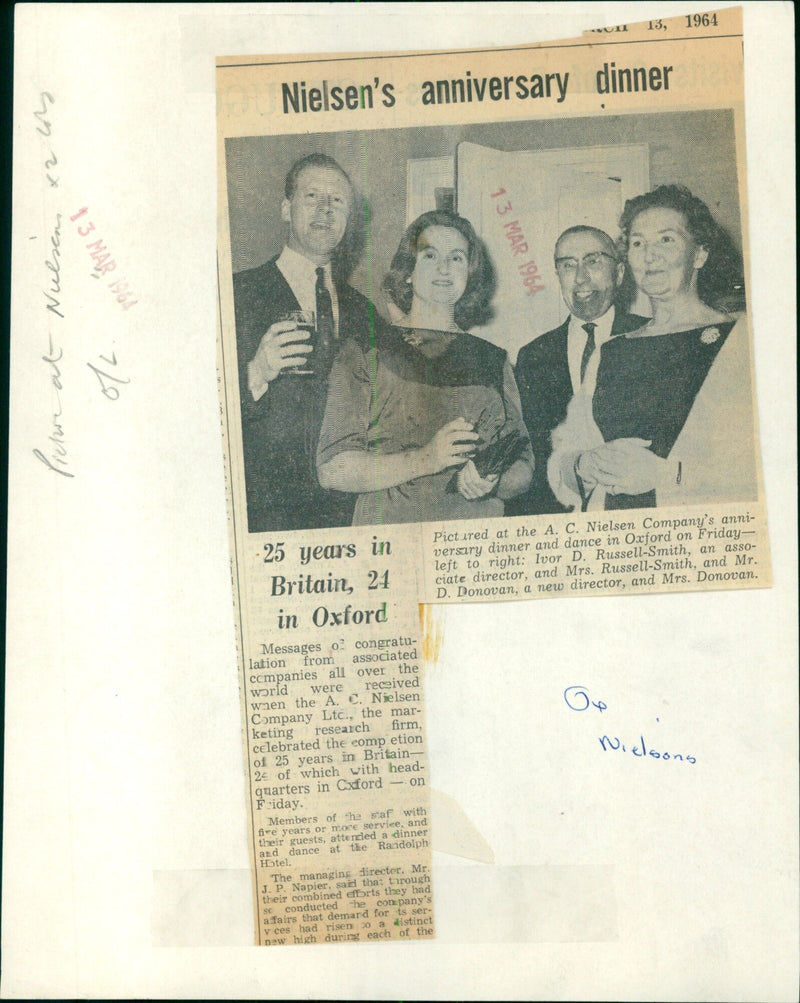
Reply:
x=553, y=367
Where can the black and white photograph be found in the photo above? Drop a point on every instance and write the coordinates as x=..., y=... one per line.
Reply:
x=488, y=320
x=341, y=335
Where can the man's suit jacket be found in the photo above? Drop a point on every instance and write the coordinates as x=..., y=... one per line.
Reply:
x=280, y=430
x=545, y=388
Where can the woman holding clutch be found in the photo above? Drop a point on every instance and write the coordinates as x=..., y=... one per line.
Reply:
x=423, y=420
x=671, y=418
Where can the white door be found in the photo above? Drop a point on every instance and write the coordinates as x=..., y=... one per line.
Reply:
x=520, y=202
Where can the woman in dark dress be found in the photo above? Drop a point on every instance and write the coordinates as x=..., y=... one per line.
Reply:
x=633, y=444
x=406, y=413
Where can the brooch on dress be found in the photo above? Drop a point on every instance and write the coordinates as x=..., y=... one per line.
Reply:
x=710, y=335
x=412, y=337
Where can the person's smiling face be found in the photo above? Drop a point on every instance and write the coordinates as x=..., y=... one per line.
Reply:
x=318, y=212
x=442, y=266
x=588, y=273
x=662, y=253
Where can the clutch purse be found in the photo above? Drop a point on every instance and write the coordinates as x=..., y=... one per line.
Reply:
x=494, y=458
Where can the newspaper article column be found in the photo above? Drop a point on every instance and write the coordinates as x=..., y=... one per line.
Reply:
x=337, y=772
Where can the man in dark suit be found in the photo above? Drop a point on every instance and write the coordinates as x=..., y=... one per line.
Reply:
x=553, y=367
x=282, y=409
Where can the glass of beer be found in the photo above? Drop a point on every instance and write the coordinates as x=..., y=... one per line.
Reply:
x=305, y=321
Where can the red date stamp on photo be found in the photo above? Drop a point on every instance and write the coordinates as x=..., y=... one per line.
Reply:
x=104, y=263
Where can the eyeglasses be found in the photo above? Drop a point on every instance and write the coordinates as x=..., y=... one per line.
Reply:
x=593, y=261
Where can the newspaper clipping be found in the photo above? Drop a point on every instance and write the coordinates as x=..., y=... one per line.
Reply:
x=483, y=336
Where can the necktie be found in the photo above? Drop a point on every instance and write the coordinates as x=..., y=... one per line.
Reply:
x=588, y=350
x=325, y=329
x=321, y=360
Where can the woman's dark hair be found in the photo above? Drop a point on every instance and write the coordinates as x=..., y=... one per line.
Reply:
x=720, y=282
x=474, y=307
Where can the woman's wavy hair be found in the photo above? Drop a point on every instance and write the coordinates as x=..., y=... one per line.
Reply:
x=720, y=282
x=474, y=307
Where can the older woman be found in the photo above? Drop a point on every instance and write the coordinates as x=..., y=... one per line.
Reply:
x=671, y=418
x=409, y=408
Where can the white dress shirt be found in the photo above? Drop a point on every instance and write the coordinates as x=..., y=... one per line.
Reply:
x=301, y=274
x=576, y=342
x=301, y=277
x=578, y=428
